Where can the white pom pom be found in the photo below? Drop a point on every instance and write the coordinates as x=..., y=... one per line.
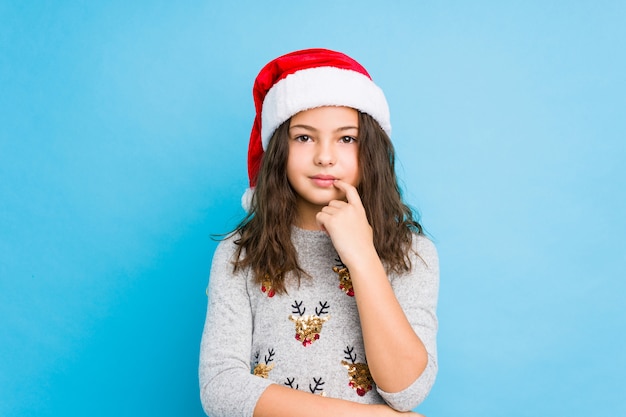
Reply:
x=246, y=199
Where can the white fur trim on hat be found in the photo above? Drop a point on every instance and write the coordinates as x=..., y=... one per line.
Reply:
x=322, y=86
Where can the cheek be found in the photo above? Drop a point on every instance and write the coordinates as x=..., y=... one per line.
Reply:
x=354, y=168
x=289, y=170
x=294, y=153
x=294, y=162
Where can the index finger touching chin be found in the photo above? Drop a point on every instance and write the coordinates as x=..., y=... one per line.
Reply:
x=352, y=195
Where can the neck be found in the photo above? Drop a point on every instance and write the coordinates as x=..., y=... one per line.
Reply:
x=306, y=217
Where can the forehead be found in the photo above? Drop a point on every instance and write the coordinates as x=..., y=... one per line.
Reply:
x=327, y=117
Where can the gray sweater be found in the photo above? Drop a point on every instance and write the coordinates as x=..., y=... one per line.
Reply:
x=309, y=339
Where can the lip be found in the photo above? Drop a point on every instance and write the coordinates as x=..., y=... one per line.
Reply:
x=323, y=180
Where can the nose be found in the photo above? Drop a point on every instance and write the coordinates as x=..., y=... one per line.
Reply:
x=324, y=154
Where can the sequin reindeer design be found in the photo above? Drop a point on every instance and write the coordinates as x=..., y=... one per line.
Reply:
x=359, y=374
x=309, y=327
x=263, y=369
x=345, y=282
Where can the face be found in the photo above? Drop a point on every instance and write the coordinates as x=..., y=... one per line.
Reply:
x=323, y=147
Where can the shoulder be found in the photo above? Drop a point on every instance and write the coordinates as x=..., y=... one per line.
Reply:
x=228, y=244
x=226, y=249
x=423, y=256
x=419, y=286
x=223, y=266
x=424, y=248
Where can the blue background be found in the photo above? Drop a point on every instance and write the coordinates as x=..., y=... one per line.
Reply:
x=123, y=135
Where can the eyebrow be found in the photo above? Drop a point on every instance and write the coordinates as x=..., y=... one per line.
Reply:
x=312, y=129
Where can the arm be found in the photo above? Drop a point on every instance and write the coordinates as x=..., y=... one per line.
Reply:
x=398, y=324
x=395, y=354
x=280, y=401
x=417, y=293
x=227, y=389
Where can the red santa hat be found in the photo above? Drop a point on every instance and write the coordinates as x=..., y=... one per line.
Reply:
x=304, y=80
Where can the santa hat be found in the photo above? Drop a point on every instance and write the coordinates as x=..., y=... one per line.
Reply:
x=303, y=80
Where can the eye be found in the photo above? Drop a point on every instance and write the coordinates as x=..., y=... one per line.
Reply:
x=302, y=138
x=348, y=139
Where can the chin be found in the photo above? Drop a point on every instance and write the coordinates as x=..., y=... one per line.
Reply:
x=319, y=201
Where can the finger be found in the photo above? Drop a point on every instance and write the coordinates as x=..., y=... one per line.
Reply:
x=336, y=204
x=320, y=219
x=352, y=195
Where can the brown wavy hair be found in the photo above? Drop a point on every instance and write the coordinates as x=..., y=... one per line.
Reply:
x=264, y=235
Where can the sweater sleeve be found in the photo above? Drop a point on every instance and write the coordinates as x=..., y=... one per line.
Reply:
x=417, y=293
x=227, y=388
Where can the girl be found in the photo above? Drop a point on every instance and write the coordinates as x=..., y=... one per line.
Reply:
x=322, y=302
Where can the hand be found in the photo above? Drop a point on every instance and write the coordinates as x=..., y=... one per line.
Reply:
x=346, y=224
